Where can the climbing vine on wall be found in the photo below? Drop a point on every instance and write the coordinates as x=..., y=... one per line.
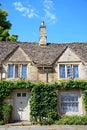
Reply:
x=44, y=104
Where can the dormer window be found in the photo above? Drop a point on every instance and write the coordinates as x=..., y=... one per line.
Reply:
x=17, y=71
x=68, y=71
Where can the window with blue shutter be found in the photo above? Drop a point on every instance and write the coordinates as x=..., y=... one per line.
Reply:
x=24, y=71
x=11, y=71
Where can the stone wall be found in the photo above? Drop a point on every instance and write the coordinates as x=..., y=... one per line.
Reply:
x=34, y=74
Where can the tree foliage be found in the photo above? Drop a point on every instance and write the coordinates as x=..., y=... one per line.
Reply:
x=5, y=26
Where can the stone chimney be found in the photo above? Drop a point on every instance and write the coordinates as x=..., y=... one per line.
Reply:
x=43, y=37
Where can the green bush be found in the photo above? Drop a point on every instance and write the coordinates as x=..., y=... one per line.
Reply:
x=6, y=112
x=72, y=120
x=1, y=122
x=85, y=99
x=0, y=111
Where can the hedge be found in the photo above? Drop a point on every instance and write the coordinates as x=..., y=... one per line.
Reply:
x=72, y=120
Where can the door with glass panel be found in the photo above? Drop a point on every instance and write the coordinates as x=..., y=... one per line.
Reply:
x=21, y=106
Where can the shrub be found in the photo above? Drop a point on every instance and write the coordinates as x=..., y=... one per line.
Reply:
x=6, y=112
x=0, y=111
x=85, y=99
x=1, y=122
x=72, y=120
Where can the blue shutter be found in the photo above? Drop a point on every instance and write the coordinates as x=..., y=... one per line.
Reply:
x=75, y=72
x=62, y=71
x=24, y=71
x=11, y=71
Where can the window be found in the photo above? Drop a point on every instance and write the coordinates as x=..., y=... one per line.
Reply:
x=62, y=71
x=21, y=94
x=69, y=71
x=17, y=71
x=11, y=71
x=18, y=94
x=75, y=71
x=69, y=103
x=24, y=71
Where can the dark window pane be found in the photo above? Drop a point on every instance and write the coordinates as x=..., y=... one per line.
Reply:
x=18, y=94
x=23, y=94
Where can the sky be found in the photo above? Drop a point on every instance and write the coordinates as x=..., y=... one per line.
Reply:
x=65, y=20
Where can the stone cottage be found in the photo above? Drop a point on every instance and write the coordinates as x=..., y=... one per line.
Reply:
x=45, y=62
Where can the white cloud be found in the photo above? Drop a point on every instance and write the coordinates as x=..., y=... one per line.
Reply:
x=49, y=11
x=48, y=4
x=50, y=17
x=26, y=11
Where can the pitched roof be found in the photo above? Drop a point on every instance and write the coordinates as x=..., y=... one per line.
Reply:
x=43, y=55
x=80, y=49
x=6, y=48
